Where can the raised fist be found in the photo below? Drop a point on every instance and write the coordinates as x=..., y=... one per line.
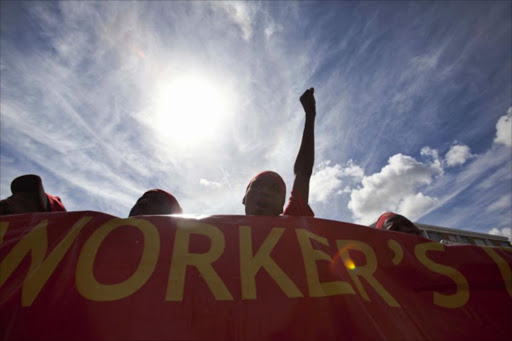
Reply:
x=308, y=101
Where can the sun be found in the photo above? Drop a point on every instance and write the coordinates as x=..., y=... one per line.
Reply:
x=190, y=110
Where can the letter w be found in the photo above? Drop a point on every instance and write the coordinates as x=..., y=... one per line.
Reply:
x=36, y=242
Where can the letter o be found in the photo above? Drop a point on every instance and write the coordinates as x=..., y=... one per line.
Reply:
x=90, y=288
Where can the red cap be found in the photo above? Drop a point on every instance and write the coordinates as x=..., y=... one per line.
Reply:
x=383, y=218
x=273, y=175
x=174, y=206
x=54, y=204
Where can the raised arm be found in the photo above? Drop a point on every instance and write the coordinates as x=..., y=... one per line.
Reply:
x=303, y=167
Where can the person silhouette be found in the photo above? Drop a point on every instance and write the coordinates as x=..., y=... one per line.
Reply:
x=155, y=202
x=266, y=192
x=396, y=222
x=28, y=196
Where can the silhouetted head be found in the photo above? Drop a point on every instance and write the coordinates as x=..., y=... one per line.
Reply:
x=28, y=196
x=154, y=202
x=265, y=194
x=396, y=222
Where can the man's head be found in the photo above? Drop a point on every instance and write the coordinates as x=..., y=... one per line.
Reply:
x=28, y=196
x=265, y=195
x=156, y=201
x=396, y=222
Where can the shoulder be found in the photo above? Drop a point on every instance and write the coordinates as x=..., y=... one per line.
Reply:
x=297, y=206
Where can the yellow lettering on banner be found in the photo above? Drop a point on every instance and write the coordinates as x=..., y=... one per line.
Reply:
x=397, y=250
x=3, y=230
x=181, y=258
x=311, y=256
x=35, y=242
x=366, y=271
x=456, y=300
x=40, y=269
x=250, y=265
x=503, y=266
x=87, y=284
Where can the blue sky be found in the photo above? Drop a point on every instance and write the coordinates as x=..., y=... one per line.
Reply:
x=105, y=100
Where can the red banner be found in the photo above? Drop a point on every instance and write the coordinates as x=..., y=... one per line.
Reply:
x=92, y=276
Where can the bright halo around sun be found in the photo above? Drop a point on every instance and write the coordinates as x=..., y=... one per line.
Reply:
x=191, y=110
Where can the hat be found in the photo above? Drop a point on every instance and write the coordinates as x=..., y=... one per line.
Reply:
x=272, y=175
x=173, y=204
x=383, y=218
x=32, y=183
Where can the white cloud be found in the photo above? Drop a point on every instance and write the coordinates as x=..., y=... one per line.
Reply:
x=271, y=28
x=210, y=184
x=427, y=62
x=327, y=180
x=395, y=188
x=475, y=187
x=241, y=13
x=458, y=155
x=506, y=232
x=504, y=129
x=427, y=151
x=353, y=170
x=324, y=182
x=436, y=162
x=416, y=205
x=503, y=202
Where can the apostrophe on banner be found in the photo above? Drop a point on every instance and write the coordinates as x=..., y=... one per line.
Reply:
x=397, y=249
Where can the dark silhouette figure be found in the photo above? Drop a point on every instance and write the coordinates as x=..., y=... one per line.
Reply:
x=154, y=202
x=28, y=196
x=396, y=222
x=266, y=192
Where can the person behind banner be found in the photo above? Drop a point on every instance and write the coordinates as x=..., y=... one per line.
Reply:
x=396, y=222
x=266, y=192
x=156, y=202
x=28, y=196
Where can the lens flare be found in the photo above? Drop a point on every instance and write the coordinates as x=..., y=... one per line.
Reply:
x=349, y=264
x=342, y=256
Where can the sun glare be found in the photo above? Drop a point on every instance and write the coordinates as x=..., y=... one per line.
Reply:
x=191, y=110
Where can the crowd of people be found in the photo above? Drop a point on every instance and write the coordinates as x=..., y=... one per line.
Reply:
x=265, y=194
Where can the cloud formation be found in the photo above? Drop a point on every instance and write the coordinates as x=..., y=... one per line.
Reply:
x=241, y=13
x=327, y=180
x=502, y=203
x=458, y=155
x=505, y=232
x=395, y=188
x=94, y=99
x=504, y=129
x=210, y=184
